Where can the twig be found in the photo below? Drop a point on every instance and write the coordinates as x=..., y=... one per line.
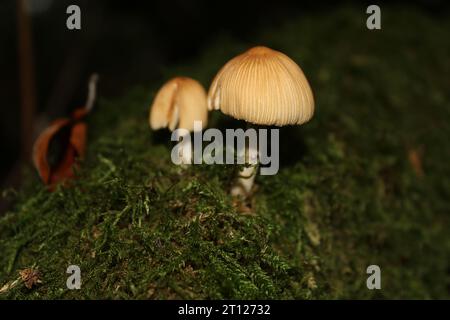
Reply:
x=92, y=91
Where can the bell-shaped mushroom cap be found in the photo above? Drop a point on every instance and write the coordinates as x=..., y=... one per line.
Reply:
x=179, y=103
x=262, y=86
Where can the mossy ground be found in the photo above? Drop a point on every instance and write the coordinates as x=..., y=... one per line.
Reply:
x=346, y=195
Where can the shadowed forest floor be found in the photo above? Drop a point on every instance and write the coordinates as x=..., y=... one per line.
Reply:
x=364, y=182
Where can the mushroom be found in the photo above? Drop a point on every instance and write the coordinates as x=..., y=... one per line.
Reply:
x=179, y=103
x=263, y=87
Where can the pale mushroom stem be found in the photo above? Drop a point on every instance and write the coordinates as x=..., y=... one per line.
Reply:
x=247, y=175
x=185, y=152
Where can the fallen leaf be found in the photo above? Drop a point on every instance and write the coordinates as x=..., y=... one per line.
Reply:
x=41, y=146
x=68, y=137
x=30, y=277
x=72, y=148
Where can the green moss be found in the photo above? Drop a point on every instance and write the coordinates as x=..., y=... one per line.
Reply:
x=346, y=195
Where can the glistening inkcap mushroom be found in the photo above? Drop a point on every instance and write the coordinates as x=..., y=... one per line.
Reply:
x=178, y=104
x=263, y=87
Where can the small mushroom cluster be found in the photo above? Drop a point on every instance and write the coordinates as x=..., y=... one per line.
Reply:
x=261, y=86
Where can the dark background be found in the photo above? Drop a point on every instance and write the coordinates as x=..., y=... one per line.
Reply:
x=127, y=43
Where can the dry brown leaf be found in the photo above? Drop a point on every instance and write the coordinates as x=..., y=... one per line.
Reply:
x=74, y=145
x=69, y=134
x=30, y=277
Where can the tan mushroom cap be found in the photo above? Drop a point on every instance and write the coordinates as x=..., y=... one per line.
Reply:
x=262, y=86
x=179, y=103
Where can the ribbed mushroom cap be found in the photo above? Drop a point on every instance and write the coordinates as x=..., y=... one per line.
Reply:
x=179, y=103
x=262, y=86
